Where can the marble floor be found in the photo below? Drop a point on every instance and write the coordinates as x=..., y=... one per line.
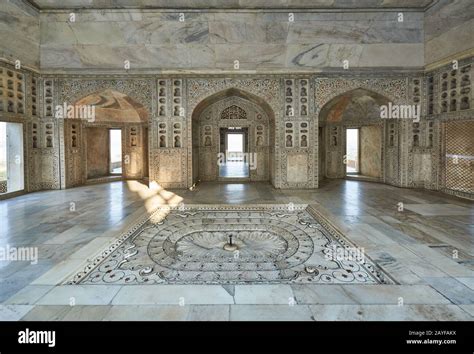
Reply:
x=424, y=240
x=234, y=169
x=228, y=245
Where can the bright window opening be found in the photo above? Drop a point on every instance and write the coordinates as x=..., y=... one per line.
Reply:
x=352, y=151
x=11, y=157
x=235, y=146
x=116, y=151
x=235, y=164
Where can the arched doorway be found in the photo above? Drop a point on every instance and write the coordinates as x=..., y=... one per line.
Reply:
x=351, y=135
x=229, y=115
x=112, y=143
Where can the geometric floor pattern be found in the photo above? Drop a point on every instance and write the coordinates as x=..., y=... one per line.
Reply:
x=271, y=244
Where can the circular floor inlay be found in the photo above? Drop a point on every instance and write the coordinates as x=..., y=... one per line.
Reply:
x=250, y=244
x=272, y=246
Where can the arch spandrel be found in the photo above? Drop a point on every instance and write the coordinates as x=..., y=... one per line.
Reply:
x=141, y=91
x=233, y=94
x=352, y=106
x=326, y=89
x=114, y=107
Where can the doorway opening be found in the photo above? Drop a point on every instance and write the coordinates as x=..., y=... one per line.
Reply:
x=233, y=159
x=115, y=157
x=352, y=152
x=11, y=157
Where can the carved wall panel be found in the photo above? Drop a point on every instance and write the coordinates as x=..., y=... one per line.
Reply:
x=74, y=152
x=48, y=97
x=12, y=92
x=371, y=151
x=168, y=167
x=163, y=94
x=33, y=96
x=43, y=157
x=297, y=168
x=412, y=153
x=449, y=91
x=299, y=138
x=168, y=133
x=458, y=158
x=391, y=158
x=335, y=151
x=134, y=148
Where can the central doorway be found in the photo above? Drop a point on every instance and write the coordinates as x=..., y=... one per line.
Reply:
x=352, y=152
x=115, y=158
x=233, y=161
x=217, y=122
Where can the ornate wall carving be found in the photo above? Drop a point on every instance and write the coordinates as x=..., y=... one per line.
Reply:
x=168, y=134
x=395, y=89
x=45, y=160
x=267, y=90
x=172, y=100
x=75, y=147
x=355, y=108
x=272, y=91
x=231, y=112
x=73, y=89
x=299, y=138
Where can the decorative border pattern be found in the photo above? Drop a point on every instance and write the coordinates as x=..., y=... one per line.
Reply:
x=161, y=213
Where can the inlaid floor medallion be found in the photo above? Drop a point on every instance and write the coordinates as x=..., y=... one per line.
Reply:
x=232, y=245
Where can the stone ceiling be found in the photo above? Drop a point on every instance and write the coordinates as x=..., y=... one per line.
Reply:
x=231, y=4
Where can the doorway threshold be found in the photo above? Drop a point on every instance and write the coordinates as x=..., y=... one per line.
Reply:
x=363, y=178
x=233, y=179
x=104, y=179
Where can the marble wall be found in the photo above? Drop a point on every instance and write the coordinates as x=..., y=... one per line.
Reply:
x=20, y=29
x=212, y=41
x=411, y=151
x=371, y=151
x=460, y=146
x=97, y=153
x=449, y=28
x=176, y=52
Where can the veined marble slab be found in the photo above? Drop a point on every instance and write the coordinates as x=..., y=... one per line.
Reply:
x=172, y=295
x=438, y=209
x=80, y=295
x=13, y=312
x=389, y=313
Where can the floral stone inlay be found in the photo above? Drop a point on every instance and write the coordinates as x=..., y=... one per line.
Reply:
x=272, y=245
